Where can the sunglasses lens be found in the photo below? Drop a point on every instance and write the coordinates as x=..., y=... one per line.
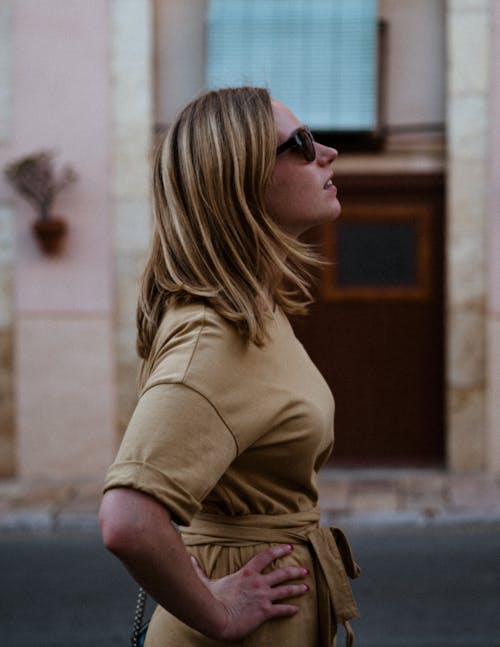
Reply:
x=303, y=141
x=307, y=144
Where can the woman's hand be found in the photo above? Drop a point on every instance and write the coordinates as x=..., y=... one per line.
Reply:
x=138, y=530
x=251, y=597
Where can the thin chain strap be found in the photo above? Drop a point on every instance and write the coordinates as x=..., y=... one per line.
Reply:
x=138, y=616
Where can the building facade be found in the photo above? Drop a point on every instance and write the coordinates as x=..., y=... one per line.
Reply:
x=89, y=81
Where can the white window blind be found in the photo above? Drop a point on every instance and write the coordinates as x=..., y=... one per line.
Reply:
x=317, y=56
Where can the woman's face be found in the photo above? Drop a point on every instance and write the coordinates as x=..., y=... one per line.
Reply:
x=300, y=194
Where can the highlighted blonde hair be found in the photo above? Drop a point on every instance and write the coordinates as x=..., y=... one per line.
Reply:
x=213, y=240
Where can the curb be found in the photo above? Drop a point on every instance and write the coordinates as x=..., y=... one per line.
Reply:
x=413, y=519
x=46, y=521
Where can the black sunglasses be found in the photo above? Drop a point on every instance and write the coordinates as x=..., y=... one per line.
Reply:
x=301, y=138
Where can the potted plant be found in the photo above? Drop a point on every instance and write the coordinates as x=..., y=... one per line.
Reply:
x=34, y=178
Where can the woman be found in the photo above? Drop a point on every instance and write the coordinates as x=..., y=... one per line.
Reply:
x=233, y=421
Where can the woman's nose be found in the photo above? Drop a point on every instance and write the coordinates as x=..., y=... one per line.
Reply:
x=326, y=154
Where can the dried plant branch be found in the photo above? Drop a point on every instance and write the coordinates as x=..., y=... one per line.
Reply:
x=35, y=179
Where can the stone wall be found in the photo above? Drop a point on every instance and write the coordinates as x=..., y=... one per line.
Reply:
x=7, y=438
x=493, y=426
x=466, y=235
x=64, y=382
x=7, y=244
x=132, y=127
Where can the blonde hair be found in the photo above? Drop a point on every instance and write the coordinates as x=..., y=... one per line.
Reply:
x=213, y=240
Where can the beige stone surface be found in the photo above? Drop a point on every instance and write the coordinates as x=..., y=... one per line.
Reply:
x=468, y=5
x=132, y=225
x=423, y=496
x=7, y=430
x=464, y=491
x=132, y=118
x=467, y=264
x=6, y=295
x=334, y=494
x=466, y=348
x=469, y=47
x=422, y=492
x=493, y=402
x=466, y=422
x=493, y=430
x=494, y=167
x=467, y=126
x=467, y=192
x=7, y=453
x=7, y=251
x=65, y=397
x=179, y=36
x=129, y=267
x=131, y=64
x=374, y=496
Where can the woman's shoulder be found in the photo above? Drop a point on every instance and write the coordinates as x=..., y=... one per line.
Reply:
x=196, y=345
x=188, y=335
x=193, y=320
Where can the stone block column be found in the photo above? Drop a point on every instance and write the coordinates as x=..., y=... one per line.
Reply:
x=468, y=23
x=7, y=435
x=493, y=410
x=132, y=130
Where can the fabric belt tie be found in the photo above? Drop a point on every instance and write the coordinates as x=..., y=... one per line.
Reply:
x=333, y=562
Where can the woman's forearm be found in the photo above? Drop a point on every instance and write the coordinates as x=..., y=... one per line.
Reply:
x=138, y=530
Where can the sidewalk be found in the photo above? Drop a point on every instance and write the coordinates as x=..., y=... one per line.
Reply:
x=408, y=497
x=363, y=497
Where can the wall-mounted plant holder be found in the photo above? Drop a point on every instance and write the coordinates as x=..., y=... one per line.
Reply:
x=50, y=234
x=34, y=178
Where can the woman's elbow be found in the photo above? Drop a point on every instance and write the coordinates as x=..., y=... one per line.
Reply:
x=129, y=519
x=120, y=525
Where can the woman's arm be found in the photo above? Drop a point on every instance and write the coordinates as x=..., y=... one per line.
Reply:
x=138, y=530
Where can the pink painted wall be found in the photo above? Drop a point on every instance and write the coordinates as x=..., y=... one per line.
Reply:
x=62, y=103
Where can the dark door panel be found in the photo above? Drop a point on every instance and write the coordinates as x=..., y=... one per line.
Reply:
x=376, y=330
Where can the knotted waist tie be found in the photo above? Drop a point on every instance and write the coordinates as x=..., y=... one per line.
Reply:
x=333, y=562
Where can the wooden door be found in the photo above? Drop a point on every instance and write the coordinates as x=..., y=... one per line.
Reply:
x=376, y=329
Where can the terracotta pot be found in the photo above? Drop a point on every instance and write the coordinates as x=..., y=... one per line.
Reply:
x=50, y=234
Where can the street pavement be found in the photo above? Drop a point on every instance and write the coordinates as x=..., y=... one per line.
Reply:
x=428, y=542
x=421, y=586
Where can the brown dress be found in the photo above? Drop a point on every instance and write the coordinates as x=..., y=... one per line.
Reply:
x=230, y=437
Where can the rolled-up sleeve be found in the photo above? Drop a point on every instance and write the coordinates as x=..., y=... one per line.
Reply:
x=176, y=447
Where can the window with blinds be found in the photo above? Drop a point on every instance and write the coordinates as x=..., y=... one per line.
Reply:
x=317, y=56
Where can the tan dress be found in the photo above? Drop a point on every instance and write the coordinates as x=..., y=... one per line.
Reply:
x=229, y=437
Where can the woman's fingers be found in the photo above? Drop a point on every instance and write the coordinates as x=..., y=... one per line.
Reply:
x=267, y=557
x=279, y=575
x=282, y=610
x=288, y=591
x=251, y=597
